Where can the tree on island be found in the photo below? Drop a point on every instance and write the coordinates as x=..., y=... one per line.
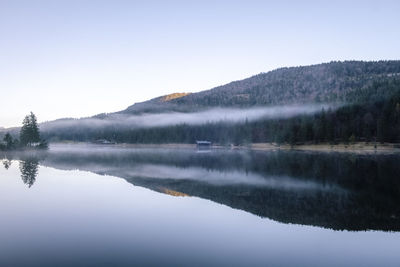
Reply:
x=30, y=135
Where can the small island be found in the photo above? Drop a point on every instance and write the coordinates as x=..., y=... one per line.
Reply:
x=29, y=136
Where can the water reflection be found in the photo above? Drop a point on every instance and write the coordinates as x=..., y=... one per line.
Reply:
x=29, y=170
x=28, y=164
x=337, y=191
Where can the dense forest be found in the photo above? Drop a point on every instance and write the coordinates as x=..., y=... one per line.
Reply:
x=363, y=100
x=375, y=118
x=340, y=82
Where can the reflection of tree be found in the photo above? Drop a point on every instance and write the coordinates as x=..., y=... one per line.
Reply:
x=29, y=170
x=7, y=163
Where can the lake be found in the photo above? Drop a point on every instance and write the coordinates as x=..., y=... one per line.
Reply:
x=97, y=205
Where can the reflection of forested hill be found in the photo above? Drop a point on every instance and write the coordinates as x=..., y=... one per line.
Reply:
x=328, y=190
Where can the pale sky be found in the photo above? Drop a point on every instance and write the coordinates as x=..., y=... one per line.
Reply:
x=77, y=58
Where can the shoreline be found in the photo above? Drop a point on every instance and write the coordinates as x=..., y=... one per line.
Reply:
x=358, y=147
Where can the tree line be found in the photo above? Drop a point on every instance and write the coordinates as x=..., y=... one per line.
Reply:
x=29, y=136
x=372, y=121
x=368, y=89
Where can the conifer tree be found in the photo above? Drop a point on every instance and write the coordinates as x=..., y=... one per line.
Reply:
x=29, y=133
x=8, y=140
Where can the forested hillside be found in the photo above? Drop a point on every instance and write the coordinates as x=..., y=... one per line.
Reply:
x=344, y=82
x=363, y=100
x=370, y=121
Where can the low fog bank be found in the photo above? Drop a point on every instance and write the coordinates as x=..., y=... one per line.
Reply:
x=116, y=150
x=228, y=115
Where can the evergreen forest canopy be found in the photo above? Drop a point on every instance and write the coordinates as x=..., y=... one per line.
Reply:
x=363, y=101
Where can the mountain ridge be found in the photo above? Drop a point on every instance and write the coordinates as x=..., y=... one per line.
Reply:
x=366, y=94
x=326, y=82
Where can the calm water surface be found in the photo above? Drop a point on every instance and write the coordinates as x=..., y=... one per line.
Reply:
x=114, y=206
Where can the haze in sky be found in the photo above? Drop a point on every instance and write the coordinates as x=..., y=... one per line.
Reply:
x=79, y=58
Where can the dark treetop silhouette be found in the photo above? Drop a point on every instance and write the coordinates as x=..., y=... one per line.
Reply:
x=29, y=136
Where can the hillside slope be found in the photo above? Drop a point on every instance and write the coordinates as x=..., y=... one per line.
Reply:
x=368, y=94
x=334, y=82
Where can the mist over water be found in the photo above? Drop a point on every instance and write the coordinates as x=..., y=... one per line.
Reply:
x=228, y=115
